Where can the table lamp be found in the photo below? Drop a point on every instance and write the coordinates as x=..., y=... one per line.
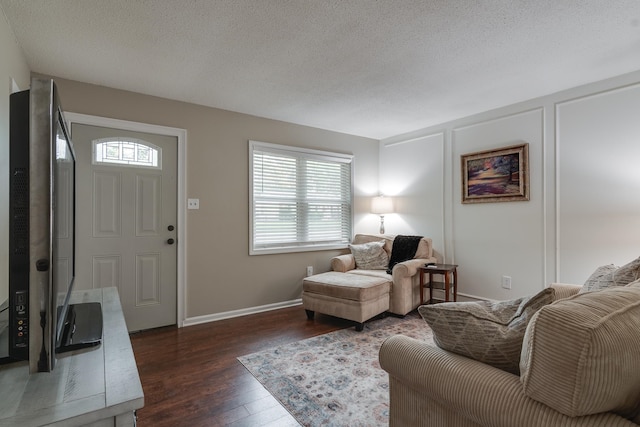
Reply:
x=382, y=205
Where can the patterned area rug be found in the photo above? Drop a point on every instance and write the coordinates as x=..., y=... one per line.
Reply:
x=334, y=379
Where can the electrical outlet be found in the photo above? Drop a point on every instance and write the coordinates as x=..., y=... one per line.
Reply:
x=506, y=282
x=309, y=270
x=193, y=203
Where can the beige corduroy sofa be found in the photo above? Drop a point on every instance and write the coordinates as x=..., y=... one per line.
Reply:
x=579, y=366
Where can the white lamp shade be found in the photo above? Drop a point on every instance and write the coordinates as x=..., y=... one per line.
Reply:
x=381, y=205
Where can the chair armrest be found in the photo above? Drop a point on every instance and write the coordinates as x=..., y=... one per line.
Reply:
x=468, y=388
x=343, y=263
x=564, y=290
x=410, y=268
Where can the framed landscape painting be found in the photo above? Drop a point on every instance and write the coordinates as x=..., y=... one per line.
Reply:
x=500, y=175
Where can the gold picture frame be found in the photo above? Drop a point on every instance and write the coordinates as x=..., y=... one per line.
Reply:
x=500, y=175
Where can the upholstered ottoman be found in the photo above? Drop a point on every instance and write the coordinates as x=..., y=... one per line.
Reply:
x=348, y=296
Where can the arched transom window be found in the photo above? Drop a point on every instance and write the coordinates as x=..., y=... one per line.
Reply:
x=127, y=152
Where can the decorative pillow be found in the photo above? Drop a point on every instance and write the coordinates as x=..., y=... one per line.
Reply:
x=580, y=354
x=610, y=275
x=627, y=273
x=370, y=256
x=490, y=332
x=600, y=279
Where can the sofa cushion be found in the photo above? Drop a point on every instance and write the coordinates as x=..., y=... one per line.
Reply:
x=580, y=354
x=375, y=273
x=347, y=286
x=424, y=251
x=490, y=332
x=370, y=256
x=609, y=275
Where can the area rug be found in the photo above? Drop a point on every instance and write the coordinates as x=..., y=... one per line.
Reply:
x=334, y=379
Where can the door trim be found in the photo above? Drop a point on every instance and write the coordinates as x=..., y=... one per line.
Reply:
x=181, y=135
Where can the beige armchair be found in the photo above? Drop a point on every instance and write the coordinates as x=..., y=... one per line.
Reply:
x=579, y=367
x=404, y=294
x=359, y=294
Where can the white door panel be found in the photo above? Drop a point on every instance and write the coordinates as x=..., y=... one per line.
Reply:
x=106, y=204
x=126, y=224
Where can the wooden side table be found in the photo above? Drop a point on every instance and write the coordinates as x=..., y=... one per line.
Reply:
x=450, y=273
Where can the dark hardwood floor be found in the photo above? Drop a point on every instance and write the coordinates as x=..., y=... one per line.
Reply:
x=191, y=377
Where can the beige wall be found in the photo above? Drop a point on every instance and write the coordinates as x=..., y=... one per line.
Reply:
x=221, y=276
x=582, y=212
x=12, y=66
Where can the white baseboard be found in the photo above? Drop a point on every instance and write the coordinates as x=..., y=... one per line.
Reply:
x=467, y=297
x=190, y=321
x=462, y=297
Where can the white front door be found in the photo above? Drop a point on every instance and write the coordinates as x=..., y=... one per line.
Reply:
x=126, y=220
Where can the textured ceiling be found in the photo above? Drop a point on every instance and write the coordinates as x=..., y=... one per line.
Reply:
x=364, y=67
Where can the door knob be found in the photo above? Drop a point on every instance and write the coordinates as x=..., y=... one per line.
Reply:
x=171, y=241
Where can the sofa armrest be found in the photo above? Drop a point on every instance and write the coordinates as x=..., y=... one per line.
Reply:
x=565, y=290
x=343, y=263
x=409, y=268
x=437, y=385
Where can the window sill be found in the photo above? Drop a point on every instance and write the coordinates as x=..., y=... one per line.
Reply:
x=294, y=249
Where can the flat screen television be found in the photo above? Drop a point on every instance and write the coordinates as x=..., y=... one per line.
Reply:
x=42, y=322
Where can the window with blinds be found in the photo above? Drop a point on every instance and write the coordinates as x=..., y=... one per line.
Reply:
x=300, y=199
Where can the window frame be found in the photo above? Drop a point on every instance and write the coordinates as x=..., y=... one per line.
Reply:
x=308, y=154
x=120, y=140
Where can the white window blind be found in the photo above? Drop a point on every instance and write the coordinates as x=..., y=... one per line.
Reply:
x=300, y=198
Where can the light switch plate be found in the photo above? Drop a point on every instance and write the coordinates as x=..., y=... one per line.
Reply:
x=506, y=282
